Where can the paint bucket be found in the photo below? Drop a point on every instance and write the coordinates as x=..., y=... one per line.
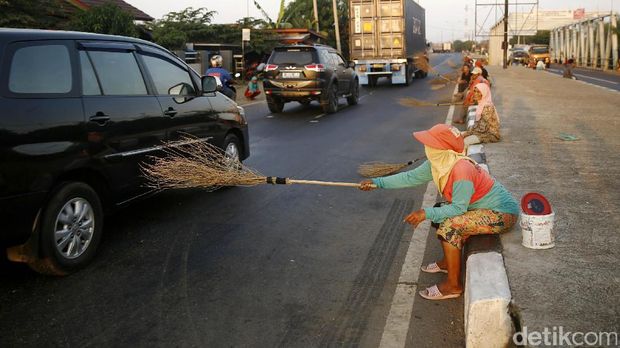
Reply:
x=537, y=231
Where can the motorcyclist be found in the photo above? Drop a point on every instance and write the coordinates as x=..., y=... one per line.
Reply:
x=216, y=70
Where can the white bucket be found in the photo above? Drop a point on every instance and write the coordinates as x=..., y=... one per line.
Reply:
x=537, y=231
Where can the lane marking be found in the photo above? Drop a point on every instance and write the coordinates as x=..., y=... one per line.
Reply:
x=269, y=116
x=253, y=103
x=585, y=76
x=405, y=295
x=319, y=116
x=595, y=78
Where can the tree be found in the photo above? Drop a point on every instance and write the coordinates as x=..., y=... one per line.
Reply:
x=177, y=28
x=459, y=45
x=41, y=14
x=300, y=14
x=105, y=19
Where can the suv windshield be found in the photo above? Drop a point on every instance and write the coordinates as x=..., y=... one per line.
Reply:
x=540, y=50
x=292, y=56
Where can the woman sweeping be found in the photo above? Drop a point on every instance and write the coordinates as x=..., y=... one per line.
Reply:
x=486, y=127
x=478, y=204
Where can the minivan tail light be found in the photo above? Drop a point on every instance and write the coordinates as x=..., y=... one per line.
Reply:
x=270, y=67
x=315, y=67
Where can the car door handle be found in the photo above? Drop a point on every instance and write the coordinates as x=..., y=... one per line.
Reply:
x=170, y=112
x=100, y=118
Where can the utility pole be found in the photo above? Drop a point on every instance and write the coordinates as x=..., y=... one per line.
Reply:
x=316, y=15
x=505, y=43
x=336, y=25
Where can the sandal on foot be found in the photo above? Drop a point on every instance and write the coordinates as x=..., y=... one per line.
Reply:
x=433, y=293
x=433, y=268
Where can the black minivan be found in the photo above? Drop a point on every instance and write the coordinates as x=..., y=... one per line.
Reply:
x=79, y=113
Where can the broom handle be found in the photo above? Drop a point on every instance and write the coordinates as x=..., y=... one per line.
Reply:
x=324, y=183
x=446, y=104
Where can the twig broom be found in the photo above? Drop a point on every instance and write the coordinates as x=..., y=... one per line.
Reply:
x=417, y=102
x=189, y=163
x=377, y=169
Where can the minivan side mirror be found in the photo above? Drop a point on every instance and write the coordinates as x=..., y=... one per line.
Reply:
x=209, y=84
x=352, y=64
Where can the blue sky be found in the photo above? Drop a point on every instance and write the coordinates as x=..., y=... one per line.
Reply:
x=445, y=19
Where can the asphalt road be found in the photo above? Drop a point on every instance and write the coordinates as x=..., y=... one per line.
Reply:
x=293, y=266
x=600, y=78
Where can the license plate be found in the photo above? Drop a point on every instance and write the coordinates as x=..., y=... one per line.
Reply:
x=290, y=75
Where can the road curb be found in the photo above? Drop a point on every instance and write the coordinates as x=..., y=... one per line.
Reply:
x=487, y=293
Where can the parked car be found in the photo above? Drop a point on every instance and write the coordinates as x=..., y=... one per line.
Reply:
x=79, y=113
x=539, y=53
x=304, y=73
x=519, y=57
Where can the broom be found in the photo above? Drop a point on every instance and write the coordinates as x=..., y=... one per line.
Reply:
x=416, y=102
x=189, y=163
x=377, y=169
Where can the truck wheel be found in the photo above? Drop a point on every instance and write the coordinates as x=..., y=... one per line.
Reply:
x=353, y=98
x=275, y=105
x=408, y=76
x=330, y=104
x=70, y=229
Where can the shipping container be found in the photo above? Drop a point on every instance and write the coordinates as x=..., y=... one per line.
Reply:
x=386, y=37
x=447, y=47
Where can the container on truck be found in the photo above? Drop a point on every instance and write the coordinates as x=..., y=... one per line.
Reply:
x=437, y=47
x=447, y=47
x=387, y=38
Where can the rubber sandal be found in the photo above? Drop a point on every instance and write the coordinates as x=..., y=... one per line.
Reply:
x=434, y=294
x=432, y=268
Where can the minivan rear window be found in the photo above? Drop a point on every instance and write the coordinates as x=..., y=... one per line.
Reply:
x=292, y=57
x=41, y=69
x=539, y=50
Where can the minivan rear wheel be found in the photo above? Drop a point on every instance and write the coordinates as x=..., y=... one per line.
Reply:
x=70, y=229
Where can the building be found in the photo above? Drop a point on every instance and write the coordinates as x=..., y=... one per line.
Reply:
x=528, y=23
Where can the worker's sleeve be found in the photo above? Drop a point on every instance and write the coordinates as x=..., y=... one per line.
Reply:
x=462, y=191
x=415, y=177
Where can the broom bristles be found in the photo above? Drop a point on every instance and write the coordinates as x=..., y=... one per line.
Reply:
x=191, y=162
x=377, y=169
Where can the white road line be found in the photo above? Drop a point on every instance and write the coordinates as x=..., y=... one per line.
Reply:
x=319, y=116
x=597, y=79
x=269, y=116
x=399, y=318
x=586, y=77
x=253, y=103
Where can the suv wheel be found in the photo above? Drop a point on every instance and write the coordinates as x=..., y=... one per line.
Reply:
x=353, y=98
x=71, y=228
x=275, y=105
x=330, y=104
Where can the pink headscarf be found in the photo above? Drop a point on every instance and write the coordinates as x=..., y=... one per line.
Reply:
x=485, y=100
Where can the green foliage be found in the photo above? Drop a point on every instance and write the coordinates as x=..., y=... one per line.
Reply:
x=541, y=38
x=40, y=14
x=459, y=46
x=105, y=19
x=177, y=28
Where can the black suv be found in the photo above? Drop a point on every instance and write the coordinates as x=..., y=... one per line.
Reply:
x=304, y=73
x=79, y=113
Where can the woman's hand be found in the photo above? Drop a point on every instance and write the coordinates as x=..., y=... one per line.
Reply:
x=367, y=185
x=415, y=218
